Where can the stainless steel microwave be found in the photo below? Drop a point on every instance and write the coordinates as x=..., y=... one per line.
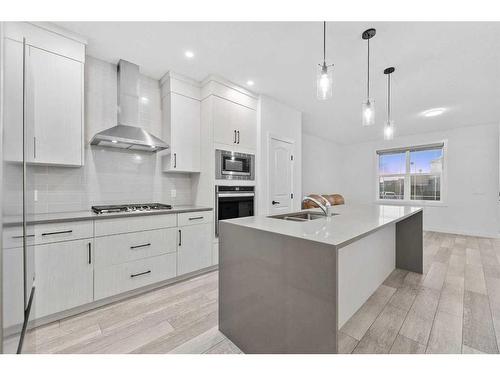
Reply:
x=234, y=165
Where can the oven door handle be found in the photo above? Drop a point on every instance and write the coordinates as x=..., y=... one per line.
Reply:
x=216, y=213
x=236, y=195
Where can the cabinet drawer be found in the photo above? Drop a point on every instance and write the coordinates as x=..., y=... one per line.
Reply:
x=57, y=232
x=121, y=248
x=134, y=224
x=191, y=218
x=120, y=278
x=13, y=237
x=47, y=233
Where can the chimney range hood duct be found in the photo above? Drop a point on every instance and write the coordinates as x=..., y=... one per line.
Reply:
x=127, y=135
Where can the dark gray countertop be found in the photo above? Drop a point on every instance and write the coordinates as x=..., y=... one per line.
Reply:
x=57, y=217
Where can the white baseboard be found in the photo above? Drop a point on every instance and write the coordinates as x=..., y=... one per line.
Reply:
x=463, y=233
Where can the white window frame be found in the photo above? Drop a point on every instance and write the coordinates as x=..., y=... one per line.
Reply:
x=407, y=174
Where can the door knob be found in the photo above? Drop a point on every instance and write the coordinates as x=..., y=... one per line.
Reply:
x=275, y=202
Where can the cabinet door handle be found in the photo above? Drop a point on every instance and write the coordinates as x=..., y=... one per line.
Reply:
x=21, y=236
x=60, y=232
x=238, y=137
x=34, y=147
x=196, y=218
x=90, y=252
x=234, y=137
x=275, y=202
x=140, y=273
x=180, y=237
x=138, y=246
x=175, y=160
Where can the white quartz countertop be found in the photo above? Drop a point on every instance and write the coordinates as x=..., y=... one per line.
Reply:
x=352, y=223
x=56, y=217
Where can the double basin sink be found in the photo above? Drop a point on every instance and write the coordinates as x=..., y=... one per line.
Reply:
x=300, y=216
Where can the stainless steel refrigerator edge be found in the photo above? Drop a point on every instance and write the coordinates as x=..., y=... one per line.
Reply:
x=1, y=185
x=17, y=197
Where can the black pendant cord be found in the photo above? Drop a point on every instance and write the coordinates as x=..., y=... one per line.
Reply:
x=368, y=71
x=388, y=97
x=367, y=35
x=388, y=72
x=324, y=42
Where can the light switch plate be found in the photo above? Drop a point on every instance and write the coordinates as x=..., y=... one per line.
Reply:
x=173, y=193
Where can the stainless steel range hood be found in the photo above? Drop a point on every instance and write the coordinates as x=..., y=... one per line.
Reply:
x=127, y=135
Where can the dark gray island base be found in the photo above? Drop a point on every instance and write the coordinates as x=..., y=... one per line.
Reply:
x=280, y=293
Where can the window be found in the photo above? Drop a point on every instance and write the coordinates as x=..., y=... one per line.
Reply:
x=411, y=174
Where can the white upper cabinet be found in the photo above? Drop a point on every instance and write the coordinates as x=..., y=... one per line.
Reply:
x=234, y=125
x=55, y=110
x=225, y=121
x=247, y=128
x=53, y=95
x=13, y=102
x=234, y=117
x=181, y=125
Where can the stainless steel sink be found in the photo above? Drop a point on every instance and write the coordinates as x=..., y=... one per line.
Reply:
x=299, y=216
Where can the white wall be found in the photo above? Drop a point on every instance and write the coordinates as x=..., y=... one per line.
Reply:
x=279, y=120
x=109, y=175
x=472, y=178
x=321, y=165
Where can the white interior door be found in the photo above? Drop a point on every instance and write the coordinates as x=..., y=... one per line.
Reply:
x=280, y=176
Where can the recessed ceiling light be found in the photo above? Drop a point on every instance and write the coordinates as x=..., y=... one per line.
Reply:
x=433, y=112
x=250, y=82
x=189, y=54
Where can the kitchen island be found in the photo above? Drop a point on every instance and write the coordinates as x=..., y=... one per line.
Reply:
x=287, y=285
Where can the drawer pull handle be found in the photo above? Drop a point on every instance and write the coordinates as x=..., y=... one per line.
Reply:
x=21, y=236
x=140, y=273
x=61, y=232
x=138, y=246
x=196, y=218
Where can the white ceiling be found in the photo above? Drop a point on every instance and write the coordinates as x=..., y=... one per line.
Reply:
x=451, y=65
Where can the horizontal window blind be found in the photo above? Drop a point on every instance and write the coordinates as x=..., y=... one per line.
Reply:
x=411, y=148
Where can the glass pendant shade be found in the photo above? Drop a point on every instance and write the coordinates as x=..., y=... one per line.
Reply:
x=324, y=82
x=368, y=111
x=389, y=130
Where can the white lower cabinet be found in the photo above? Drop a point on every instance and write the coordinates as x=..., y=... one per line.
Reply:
x=194, y=249
x=79, y=267
x=128, y=276
x=13, y=301
x=215, y=253
x=64, y=276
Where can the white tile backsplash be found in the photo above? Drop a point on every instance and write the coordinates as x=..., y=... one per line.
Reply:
x=109, y=175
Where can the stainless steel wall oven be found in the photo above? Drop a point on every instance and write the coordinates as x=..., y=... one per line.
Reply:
x=232, y=202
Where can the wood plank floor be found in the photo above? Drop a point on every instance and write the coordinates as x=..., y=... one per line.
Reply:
x=454, y=307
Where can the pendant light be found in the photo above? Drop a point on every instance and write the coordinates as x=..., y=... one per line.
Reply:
x=368, y=107
x=389, y=125
x=325, y=76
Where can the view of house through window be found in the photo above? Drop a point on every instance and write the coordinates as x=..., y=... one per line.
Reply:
x=412, y=173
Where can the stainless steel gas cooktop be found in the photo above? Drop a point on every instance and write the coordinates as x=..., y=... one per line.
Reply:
x=130, y=208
